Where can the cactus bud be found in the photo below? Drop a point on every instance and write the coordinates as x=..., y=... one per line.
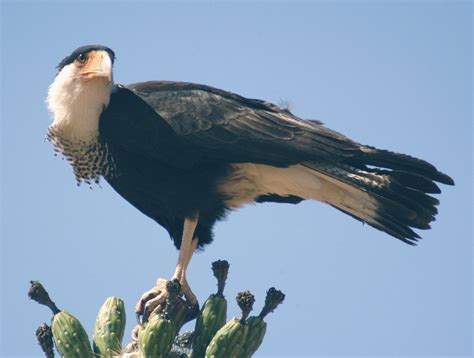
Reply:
x=272, y=300
x=245, y=300
x=44, y=335
x=220, y=269
x=38, y=293
x=257, y=327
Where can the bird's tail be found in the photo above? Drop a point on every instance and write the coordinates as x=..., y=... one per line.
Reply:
x=386, y=190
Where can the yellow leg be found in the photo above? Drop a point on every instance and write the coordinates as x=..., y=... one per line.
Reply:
x=188, y=245
x=157, y=295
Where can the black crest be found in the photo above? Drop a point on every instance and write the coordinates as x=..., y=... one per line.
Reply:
x=83, y=50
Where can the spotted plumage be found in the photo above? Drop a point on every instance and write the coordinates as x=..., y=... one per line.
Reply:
x=90, y=160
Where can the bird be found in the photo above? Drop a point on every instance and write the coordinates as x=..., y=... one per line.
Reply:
x=186, y=155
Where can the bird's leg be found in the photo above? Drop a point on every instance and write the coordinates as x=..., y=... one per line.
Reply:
x=188, y=245
x=156, y=296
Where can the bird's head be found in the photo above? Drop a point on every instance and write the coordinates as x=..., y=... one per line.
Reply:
x=80, y=91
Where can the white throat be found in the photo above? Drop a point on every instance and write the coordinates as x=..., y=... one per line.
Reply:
x=76, y=105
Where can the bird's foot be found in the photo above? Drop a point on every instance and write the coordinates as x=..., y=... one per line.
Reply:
x=153, y=302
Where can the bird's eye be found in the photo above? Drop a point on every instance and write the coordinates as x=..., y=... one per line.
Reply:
x=81, y=57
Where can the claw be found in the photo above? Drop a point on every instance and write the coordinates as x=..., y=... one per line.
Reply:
x=150, y=301
x=155, y=304
x=139, y=307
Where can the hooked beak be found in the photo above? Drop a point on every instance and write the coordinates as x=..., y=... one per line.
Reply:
x=98, y=64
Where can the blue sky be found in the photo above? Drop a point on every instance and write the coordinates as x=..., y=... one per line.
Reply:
x=396, y=75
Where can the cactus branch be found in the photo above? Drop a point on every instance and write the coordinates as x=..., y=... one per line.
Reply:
x=245, y=300
x=272, y=300
x=220, y=268
x=44, y=335
x=38, y=293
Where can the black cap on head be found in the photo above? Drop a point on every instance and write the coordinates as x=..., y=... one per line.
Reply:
x=83, y=50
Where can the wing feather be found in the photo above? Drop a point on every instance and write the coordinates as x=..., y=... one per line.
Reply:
x=225, y=126
x=185, y=123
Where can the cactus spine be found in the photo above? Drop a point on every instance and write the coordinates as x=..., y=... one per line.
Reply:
x=213, y=314
x=156, y=337
x=257, y=326
x=109, y=328
x=229, y=340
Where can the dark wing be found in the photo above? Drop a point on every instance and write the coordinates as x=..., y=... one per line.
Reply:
x=184, y=123
x=224, y=126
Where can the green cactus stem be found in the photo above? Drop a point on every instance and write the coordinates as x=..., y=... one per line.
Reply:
x=70, y=336
x=229, y=339
x=44, y=335
x=109, y=328
x=156, y=337
x=213, y=313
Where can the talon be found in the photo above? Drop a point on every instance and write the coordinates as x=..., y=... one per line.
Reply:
x=147, y=296
x=155, y=304
x=150, y=301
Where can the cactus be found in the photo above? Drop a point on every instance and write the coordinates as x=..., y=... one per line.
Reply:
x=228, y=340
x=109, y=328
x=213, y=314
x=44, y=335
x=70, y=337
x=156, y=337
x=257, y=326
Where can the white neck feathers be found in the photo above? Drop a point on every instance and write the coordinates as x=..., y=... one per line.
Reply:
x=76, y=105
